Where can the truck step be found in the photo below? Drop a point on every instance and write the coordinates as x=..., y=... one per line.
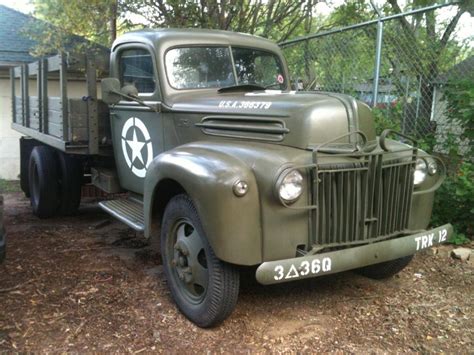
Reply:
x=127, y=211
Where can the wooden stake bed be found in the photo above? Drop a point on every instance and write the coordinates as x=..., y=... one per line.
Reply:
x=78, y=125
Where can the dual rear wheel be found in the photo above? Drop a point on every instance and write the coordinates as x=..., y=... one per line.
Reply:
x=54, y=181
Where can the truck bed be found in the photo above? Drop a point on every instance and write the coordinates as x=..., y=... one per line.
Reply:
x=55, y=101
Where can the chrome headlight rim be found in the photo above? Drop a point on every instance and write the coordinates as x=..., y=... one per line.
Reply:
x=421, y=171
x=433, y=167
x=288, y=174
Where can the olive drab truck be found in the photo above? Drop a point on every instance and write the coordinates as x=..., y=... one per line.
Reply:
x=220, y=164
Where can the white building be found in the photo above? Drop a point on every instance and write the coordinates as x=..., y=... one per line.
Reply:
x=14, y=48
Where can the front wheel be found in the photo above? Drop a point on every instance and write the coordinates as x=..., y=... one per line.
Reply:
x=386, y=269
x=204, y=287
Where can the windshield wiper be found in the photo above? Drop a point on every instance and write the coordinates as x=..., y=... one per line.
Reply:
x=241, y=87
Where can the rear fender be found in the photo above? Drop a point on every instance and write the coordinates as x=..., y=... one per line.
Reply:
x=231, y=223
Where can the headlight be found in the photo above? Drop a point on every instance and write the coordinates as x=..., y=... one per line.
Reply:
x=420, y=171
x=290, y=186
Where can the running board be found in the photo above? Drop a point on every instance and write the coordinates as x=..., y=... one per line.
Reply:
x=127, y=211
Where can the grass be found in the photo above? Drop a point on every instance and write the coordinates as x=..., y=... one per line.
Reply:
x=9, y=186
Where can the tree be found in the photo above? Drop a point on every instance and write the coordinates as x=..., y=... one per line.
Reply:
x=65, y=24
x=428, y=49
x=275, y=19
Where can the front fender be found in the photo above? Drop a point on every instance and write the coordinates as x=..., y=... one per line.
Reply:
x=231, y=223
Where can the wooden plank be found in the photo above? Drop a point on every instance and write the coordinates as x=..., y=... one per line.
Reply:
x=54, y=63
x=18, y=117
x=43, y=79
x=92, y=112
x=33, y=68
x=63, y=89
x=19, y=109
x=19, y=104
x=55, y=104
x=40, y=96
x=79, y=134
x=55, y=117
x=34, y=120
x=104, y=121
x=17, y=72
x=56, y=130
x=78, y=120
x=34, y=102
x=25, y=94
x=47, y=139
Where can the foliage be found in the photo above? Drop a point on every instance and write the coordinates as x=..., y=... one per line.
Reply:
x=277, y=19
x=65, y=24
x=9, y=186
x=459, y=95
x=454, y=202
x=389, y=117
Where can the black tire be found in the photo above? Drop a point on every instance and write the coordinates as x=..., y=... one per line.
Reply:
x=204, y=288
x=385, y=269
x=43, y=180
x=70, y=173
x=26, y=146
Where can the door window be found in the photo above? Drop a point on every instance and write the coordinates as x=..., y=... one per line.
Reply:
x=136, y=67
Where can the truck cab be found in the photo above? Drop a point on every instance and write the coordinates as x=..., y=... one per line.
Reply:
x=226, y=166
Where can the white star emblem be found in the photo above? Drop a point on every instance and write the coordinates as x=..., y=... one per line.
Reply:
x=136, y=147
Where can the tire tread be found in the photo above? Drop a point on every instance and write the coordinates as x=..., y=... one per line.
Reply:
x=224, y=294
x=386, y=269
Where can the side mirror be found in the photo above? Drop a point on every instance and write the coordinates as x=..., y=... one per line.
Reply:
x=111, y=91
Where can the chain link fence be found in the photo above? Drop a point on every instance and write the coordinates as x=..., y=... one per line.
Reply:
x=390, y=63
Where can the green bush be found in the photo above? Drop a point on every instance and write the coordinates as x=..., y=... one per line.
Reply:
x=454, y=202
x=459, y=96
x=389, y=117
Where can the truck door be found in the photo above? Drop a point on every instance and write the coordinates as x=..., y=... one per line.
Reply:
x=137, y=130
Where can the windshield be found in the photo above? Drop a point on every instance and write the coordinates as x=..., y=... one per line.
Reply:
x=212, y=67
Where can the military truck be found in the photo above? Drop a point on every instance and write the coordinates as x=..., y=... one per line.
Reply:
x=214, y=158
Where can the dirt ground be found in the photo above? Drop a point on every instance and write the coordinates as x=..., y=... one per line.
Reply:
x=73, y=284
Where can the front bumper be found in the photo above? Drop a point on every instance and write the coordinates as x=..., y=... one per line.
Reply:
x=279, y=271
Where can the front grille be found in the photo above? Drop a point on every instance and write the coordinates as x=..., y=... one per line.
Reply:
x=358, y=202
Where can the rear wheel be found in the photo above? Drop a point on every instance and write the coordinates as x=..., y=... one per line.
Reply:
x=386, y=269
x=70, y=175
x=43, y=181
x=204, y=287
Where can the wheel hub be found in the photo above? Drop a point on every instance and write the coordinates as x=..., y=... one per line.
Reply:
x=182, y=262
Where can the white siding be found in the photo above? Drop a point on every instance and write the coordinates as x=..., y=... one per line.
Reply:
x=9, y=139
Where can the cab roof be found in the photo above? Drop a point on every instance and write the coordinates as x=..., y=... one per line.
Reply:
x=161, y=39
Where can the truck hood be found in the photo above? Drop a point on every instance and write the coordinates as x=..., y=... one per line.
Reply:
x=299, y=119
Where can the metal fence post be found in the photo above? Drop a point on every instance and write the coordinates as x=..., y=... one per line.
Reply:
x=378, y=55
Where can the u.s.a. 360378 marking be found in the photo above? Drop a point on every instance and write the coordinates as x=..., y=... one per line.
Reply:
x=306, y=267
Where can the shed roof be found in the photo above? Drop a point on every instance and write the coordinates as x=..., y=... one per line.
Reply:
x=459, y=71
x=14, y=44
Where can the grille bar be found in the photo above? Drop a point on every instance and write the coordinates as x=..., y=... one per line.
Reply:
x=361, y=201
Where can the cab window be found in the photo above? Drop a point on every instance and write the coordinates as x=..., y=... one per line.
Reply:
x=136, y=67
